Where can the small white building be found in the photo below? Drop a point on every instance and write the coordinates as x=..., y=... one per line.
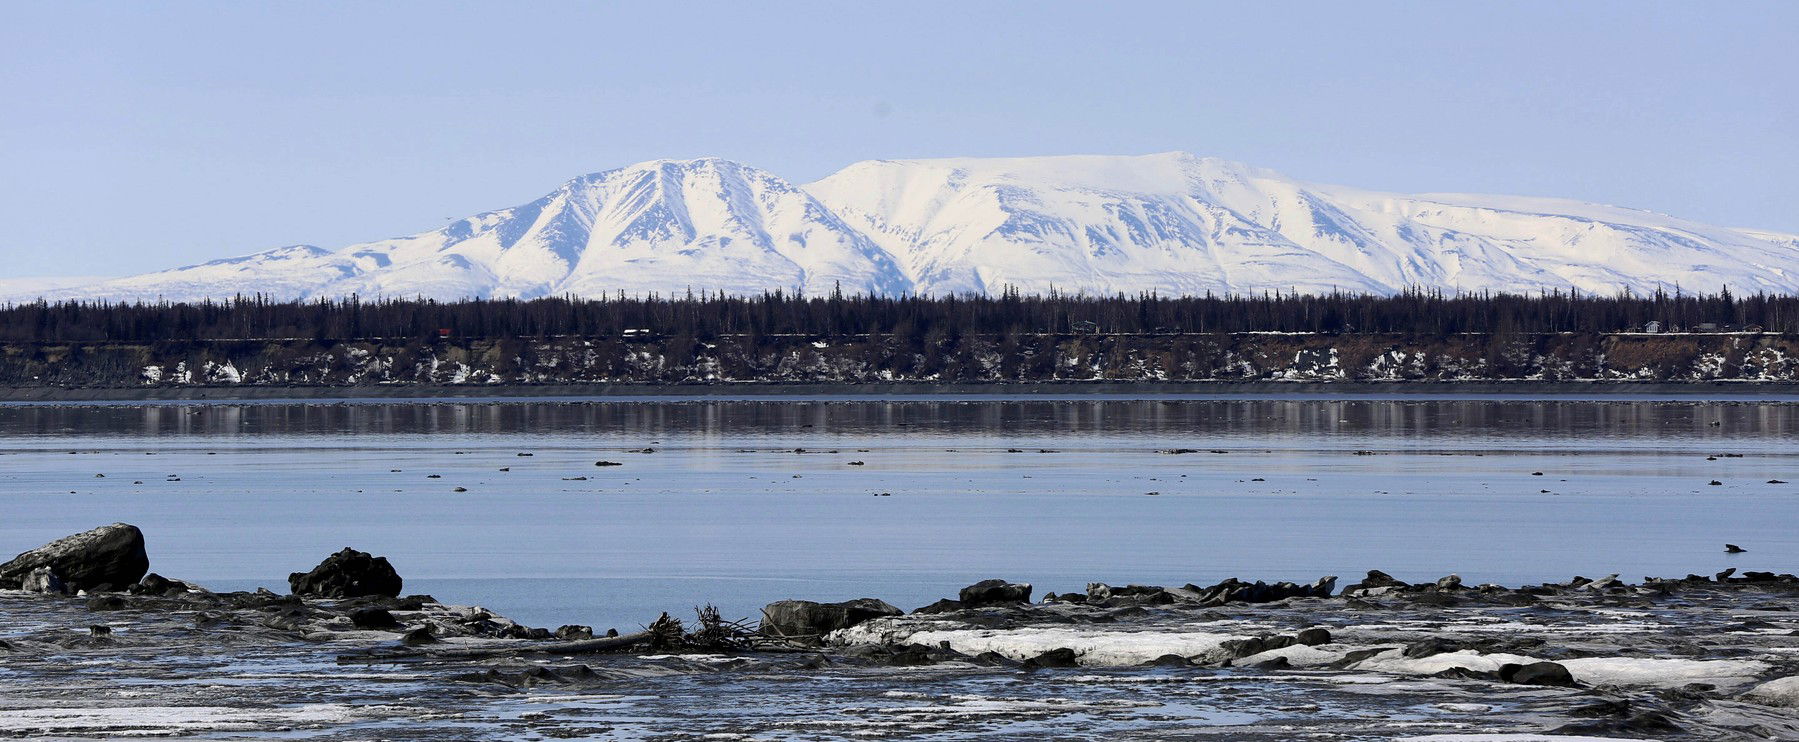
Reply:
x=1652, y=326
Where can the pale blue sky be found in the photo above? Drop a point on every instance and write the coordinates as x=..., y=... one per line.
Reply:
x=139, y=136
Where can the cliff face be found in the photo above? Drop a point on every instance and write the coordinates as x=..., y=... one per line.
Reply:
x=887, y=358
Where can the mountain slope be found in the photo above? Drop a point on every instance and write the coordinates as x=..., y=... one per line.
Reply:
x=1180, y=223
x=1171, y=223
x=664, y=226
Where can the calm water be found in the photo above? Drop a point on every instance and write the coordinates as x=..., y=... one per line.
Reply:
x=725, y=511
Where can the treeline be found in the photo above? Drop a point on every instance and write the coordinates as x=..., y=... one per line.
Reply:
x=1416, y=312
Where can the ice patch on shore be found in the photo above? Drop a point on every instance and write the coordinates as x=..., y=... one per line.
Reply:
x=1663, y=673
x=1395, y=661
x=1297, y=655
x=1777, y=692
x=1128, y=648
x=1637, y=671
x=1091, y=648
x=964, y=706
x=162, y=720
x=1504, y=737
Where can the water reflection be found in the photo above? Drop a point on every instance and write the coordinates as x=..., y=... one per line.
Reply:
x=1142, y=418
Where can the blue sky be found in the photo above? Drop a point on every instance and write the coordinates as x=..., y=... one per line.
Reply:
x=139, y=136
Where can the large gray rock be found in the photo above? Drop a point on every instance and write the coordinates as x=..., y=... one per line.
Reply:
x=806, y=620
x=109, y=556
x=347, y=574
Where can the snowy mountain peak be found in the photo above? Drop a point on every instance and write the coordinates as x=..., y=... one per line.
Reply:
x=1172, y=222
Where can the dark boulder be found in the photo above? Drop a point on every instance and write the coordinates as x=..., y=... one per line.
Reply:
x=106, y=603
x=155, y=584
x=1240, y=648
x=1537, y=673
x=942, y=606
x=262, y=599
x=1376, y=582
x=108, y=555
x=1061, y=657
x=1099, y=593
x=995, y=659
x=347, y=574
x=525, y=632
x=572, y=632
x=1230, y=650
x=1313, y=637
x=995, y=592
x=1430, y=647
x=804, y=619
x=419, y=636
x=373, y=618
x=1234, y=590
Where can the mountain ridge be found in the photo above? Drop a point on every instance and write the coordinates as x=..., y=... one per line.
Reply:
x=1173, y=223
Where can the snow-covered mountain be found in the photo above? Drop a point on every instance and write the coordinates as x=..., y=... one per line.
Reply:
x=1171, y=223
x=1180, y=223
x=663, y=226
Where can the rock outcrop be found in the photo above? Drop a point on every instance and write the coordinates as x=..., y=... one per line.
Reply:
x=347, y=574
x=108, y=557
x=1537, y=673
x=806, y=620
x=995, y=592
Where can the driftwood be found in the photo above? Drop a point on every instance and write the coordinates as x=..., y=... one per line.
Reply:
x=581, y=646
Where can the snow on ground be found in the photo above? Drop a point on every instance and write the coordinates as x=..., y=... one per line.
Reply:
x=1662, y=673
x=1777, y=692
x=1516, y=738
x=163, y=720
x=1625, y=671
x=1297, y=655
x=1123, y=648
x=1091, y=648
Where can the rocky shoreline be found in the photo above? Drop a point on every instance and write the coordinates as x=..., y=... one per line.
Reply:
x=94, y=645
